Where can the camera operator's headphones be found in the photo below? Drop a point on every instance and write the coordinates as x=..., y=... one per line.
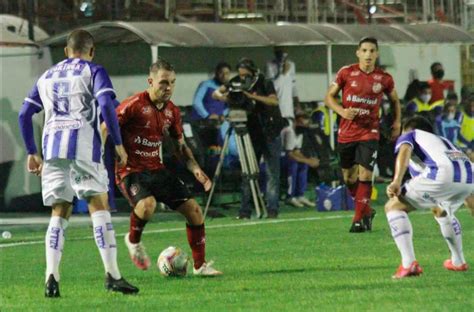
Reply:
x=249, y=65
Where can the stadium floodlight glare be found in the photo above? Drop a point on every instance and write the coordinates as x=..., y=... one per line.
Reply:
x=373, y=9
x=87, y=8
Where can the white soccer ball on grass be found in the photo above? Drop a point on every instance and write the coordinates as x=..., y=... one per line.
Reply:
x=173, y=262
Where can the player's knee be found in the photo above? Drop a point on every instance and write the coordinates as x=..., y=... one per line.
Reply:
x=148, y=205
x=439, y=213
x=392, y=205
x=193, y=213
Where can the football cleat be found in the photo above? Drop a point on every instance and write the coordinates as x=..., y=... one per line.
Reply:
x=308, y=203
x=448, y=265
x=293, y=201
x=119, y=285
x=357, y=227
x=206, y=269
x=51, y=289
x=137, y=254
x=367, y=220
x=413, y=270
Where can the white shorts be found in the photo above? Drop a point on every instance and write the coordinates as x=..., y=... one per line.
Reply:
x=423, y=193
x=62, y=179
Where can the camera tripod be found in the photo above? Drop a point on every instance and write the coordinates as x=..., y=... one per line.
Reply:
x=248, y=161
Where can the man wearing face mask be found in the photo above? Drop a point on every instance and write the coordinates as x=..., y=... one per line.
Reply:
x=438, y=85
x=420, y=103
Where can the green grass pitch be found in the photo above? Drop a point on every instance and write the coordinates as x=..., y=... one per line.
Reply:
x=303, y=261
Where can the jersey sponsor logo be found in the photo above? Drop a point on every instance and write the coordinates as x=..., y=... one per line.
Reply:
x=355, y=73
x=146, y=142
x=154, y=153
x=377, y=77
x=64, y=124
x=456, y=155
x=377, y=87
x=83, y=178
x=361, y=100
x=361, y=111
x=134, y=188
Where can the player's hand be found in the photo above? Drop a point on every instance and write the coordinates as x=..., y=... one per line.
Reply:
x=313, y=162
x=213, y=117
x=349, y=113
x=203, y=179
x=252, y=96
x=35, y=164
x=395, y=130
x=393, y=189
x=122, y=156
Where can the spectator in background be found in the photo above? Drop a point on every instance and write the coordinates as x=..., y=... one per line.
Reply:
x=210, y=111
x=204, y=105
x=297, y=163
x=282, y=72
x=321, y=117
x=439, y=87
x=447, y=125
x=420, y=103
x=265, y=124
x=466, y=134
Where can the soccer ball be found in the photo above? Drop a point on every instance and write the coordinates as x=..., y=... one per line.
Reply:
x=173, y=262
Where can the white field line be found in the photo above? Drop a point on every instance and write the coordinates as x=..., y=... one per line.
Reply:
x=216, y=226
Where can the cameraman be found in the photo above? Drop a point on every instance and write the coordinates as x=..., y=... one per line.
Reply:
x=257, y=95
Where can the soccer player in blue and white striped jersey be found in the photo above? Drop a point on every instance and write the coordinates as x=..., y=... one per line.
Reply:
x=73, y=94
x=441, y=179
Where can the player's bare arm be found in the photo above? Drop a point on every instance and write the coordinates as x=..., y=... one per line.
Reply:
x=401, y=165
x=185, y=154
x=122, y=156
x=331, y=102
x=296, y=155
x=396, y=110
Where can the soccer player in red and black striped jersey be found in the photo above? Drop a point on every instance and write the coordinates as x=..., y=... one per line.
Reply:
x=145, y=120
x=363, y=86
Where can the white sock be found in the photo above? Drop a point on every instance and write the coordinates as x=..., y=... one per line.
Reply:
x=402, y=233
x=104, y=235
x=451, y=230
x=54, y=243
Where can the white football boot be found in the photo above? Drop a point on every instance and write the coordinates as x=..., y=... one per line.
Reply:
x=206, y=269
x=137, y=254
x=293, y=201
x=303, y=200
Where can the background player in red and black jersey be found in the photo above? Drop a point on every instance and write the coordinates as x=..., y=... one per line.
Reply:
x=145, y=120
x=363, y=86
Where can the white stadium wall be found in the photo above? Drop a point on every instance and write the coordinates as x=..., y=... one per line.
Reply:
x=20, y=68
x=400, y=59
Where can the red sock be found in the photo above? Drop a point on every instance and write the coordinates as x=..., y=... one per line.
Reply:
x=197, y=242
x=353, y=188
x=362, y=200
x=137, y=226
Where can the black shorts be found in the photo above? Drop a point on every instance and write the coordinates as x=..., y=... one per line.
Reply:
x=363, y=153
x=164, y=186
